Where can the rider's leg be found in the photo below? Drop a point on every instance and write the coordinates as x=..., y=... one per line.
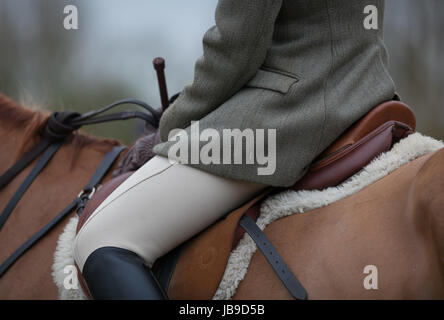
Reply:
x=158, y=207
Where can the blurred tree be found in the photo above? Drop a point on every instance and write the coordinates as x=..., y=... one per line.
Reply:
x=36, y=65
x=413, y=36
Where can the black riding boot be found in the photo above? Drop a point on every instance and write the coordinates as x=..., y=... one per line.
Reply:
x=119, y=274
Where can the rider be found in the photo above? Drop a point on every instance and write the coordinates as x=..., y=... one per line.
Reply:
x=299, y=71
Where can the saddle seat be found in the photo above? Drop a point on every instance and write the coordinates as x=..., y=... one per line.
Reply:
x=195, y=271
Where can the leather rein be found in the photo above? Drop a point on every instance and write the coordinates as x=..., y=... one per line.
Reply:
x=59, y=127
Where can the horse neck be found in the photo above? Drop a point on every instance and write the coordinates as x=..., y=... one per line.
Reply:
x=16, y=137
x=13, y=142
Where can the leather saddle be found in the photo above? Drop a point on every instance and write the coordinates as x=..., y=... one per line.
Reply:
x=194, y=269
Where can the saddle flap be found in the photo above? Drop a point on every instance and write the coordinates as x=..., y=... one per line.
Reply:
x=203, y=260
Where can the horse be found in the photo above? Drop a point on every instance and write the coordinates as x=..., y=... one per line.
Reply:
x=392, y=224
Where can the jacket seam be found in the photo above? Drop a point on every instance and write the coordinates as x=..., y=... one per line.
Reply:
x=325, y=85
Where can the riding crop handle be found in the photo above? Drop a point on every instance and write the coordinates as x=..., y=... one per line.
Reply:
x=159, y=66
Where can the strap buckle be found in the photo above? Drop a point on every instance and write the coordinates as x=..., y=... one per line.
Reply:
x=84, y=196
x=87, y=193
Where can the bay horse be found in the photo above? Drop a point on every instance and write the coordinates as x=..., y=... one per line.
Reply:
x=396, y=224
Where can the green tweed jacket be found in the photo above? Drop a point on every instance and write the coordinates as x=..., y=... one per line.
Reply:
x=306, y=68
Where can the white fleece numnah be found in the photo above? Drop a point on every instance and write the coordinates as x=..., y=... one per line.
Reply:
x=274, y=207
x=63, y=257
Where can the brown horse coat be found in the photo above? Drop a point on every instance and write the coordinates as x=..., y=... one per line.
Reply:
x=395, y=224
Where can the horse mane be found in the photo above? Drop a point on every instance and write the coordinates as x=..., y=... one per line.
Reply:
x=33, y=121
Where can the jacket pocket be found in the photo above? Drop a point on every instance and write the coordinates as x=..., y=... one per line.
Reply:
x=272, y=79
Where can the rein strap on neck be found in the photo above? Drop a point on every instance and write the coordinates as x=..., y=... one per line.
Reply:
x=60, y=125
x=43, y=161
x=100, y=172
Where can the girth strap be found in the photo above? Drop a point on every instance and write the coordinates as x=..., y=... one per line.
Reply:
x=274, y=259
x=80, y=200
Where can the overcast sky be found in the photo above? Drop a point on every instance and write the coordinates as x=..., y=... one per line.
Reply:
x=131, y=35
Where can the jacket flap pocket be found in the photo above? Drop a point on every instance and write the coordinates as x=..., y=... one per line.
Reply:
x=273, y=80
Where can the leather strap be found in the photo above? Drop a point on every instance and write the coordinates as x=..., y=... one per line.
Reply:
x=21, y=164
x=274, y=259
x=43, y=161
x=152, y=117
x=59, y=126
x=98, y=175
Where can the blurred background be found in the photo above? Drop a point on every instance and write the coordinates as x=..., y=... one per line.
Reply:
x=110, y=56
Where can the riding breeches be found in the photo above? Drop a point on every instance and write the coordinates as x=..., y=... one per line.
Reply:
x=158, y=207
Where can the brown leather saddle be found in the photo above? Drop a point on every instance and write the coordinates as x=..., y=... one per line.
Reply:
x=195, y=269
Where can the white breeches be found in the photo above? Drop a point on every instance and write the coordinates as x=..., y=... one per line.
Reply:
x=158, y=207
